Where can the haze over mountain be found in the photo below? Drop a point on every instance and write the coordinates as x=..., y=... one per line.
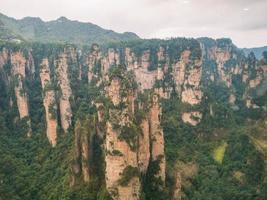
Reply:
x=61, y=30
x=257, y=51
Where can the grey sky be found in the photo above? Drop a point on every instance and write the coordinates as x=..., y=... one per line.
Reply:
x=245, y=21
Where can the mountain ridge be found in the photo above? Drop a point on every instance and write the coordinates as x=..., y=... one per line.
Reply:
x=61, y=30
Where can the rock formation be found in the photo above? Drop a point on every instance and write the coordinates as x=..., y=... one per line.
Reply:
x=144, y=147
x=18, y=63
x=81, y=162
x=65, y=91
x=157, y=137
x=121, y=155
x=49, y=102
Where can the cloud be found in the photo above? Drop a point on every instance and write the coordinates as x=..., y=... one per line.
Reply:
x=158, y=18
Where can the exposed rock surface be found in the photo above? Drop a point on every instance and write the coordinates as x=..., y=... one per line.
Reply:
x=49, y=102
x=144, y=147
x=81, y=162
x=157, y=137
x=119, y=154
x=177, y=190
x=18, y=62
x=3, y=57
x=192, y=118
x=65, y=91
x=93, y=60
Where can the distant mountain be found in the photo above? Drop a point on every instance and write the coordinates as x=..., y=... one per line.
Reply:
x=61, y=30
x=257, y=51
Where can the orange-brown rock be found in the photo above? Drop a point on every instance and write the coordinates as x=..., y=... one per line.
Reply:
x=157, y=137
x=49, y=102
x=179, y=70
x=65, y=91
x=144, y=147
x=114, y=91
x=92, y=61
x=80, y=166
x=119, y=156
x=177, y=190
x=3, y=57
x=18, y=62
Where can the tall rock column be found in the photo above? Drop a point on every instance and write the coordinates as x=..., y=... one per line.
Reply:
x=144, y=147
x=157, y=137
x=65, y=91
x=49, y=102
x=81, y=162
x=188, y=82
x=18, y=72
x=92, y=61
x=121, y=156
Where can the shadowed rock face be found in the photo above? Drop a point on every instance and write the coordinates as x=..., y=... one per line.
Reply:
x=49, y=102
x=61, y=65
x=157, y=137
x=144, y=147
x=82, y=152
x=3, y=57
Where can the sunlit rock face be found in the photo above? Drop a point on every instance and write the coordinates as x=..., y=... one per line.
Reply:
x=18, y=63
x=92, y=60
x=179, y=70
x=61, y=65
x=49, y=102
x=187, y=75
x=120, y=155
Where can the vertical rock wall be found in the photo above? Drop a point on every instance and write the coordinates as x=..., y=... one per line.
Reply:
x=61, y=65
x=18, y=63
x=157, y=137
x=119, y=154
x=49, y=102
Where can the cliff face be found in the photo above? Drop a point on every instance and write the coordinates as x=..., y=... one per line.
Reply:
x=120, y=154
x=82, y=150
x=18, y=63
x=144, y=147
x=61, y=65
x=3, y=57
x=130, y=147
x=157, y=137
x=49, y=102
x=187, y=75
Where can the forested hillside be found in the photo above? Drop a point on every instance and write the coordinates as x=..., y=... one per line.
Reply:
x=61, y=30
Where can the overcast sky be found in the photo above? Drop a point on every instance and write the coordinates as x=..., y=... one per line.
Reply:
x=245, y=21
